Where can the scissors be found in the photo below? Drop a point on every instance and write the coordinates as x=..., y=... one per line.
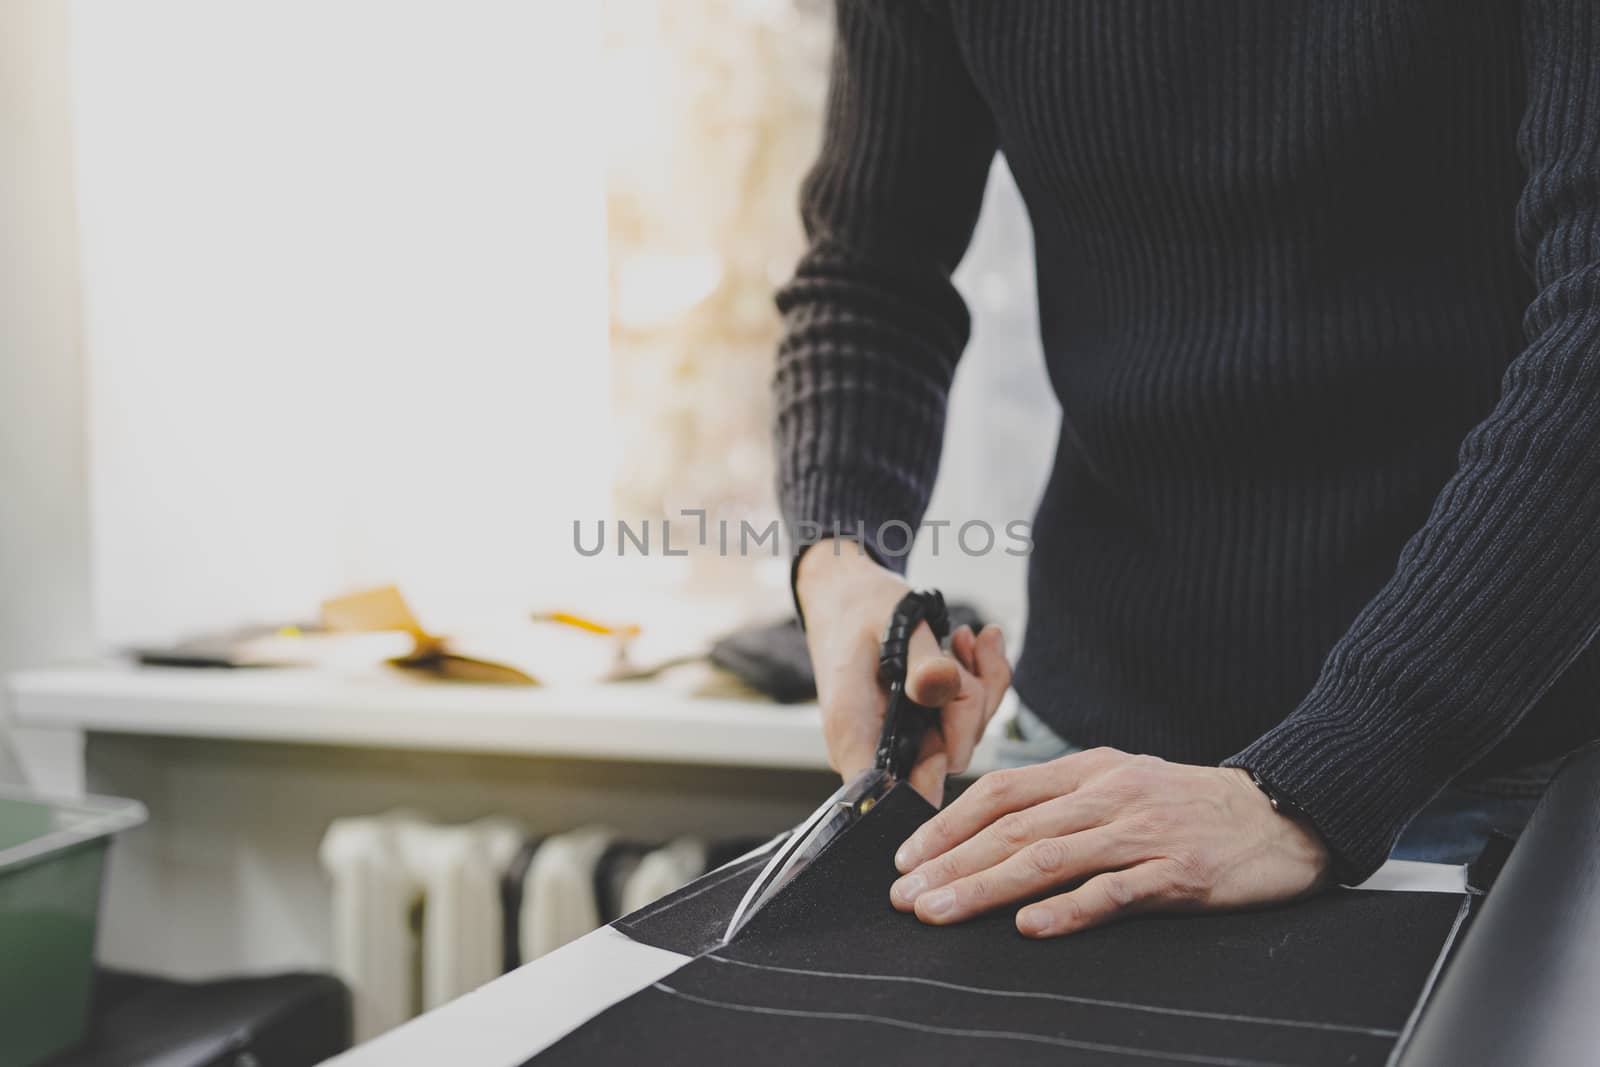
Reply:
x=904, y=721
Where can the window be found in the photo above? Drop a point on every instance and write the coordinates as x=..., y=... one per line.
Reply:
x=344, y=272
x=383, y=291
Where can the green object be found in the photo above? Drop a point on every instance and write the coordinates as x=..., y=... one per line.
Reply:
x=52, y=856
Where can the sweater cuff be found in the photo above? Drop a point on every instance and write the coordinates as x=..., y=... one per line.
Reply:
x=1358, y=787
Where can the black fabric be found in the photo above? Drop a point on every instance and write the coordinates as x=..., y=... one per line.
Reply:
x=286, y=1020
x=829, y=972
x=1319, y=284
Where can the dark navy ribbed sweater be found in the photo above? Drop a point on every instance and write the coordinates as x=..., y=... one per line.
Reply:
x=1319, y=286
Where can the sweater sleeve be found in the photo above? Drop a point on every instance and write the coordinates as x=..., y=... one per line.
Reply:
x=872, y=324
x=1499, y=590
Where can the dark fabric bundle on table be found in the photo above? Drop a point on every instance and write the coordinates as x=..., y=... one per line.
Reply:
x=830, y=973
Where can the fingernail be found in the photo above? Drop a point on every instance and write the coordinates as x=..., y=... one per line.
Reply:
x=906, y=858
x=907, y=889
x=1034, y=922
x=938, y=903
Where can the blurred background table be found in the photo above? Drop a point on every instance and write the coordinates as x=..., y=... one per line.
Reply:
x=242, y=770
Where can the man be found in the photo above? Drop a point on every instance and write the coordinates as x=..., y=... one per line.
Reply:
x=1319, y=285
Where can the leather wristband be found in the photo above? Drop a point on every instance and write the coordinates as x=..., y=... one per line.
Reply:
x=1281, y=802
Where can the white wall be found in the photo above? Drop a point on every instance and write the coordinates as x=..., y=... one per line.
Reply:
x=44, y=554
x=1001, y=429
x=345, y=307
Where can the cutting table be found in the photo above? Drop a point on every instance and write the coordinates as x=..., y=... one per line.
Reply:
x=1412, y=967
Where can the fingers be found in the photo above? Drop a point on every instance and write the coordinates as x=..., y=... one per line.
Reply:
x=961, y=723
x=932, y=766
x=995, y=794
x=1108, y=896
x=966, y=685
x=994, y=844
x=985, y=674
x=1043, y=865
x=933, y=679
x=992, y=667
x=1145, y=833
x=962, y=642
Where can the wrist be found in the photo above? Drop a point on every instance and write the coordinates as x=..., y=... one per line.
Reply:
x=1281, y=802
x=1306, y=834
x=834, y=571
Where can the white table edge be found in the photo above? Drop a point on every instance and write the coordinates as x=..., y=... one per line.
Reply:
x=625, y=721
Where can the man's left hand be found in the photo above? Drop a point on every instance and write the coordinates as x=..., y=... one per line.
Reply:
x=1139, y=833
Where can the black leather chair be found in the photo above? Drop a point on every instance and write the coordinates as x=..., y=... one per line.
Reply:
x=1524, y=988
x=284, y=1020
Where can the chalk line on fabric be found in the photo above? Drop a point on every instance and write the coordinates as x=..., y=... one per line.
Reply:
x=1195, y=1013
x=733, y=870
x=951, y=1031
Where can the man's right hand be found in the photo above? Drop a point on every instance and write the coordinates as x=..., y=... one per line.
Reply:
x=848, y=599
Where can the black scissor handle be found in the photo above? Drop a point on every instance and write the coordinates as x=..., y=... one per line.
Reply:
x=904, y=720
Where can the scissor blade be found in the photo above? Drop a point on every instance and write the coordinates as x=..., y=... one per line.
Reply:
x=836, y=815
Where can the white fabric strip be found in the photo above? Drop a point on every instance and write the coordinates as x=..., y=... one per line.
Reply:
x=1414, y=877
x=513, y=1017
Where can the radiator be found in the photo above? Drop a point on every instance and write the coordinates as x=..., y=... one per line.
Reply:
x=423, y=913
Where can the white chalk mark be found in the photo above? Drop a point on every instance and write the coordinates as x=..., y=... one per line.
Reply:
x=1193, y=1013
x=733, y=869
x=952, y=1031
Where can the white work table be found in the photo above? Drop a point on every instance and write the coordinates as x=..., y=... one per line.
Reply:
x=642, y=721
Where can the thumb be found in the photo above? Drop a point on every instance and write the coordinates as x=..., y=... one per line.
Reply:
x=933, y=678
